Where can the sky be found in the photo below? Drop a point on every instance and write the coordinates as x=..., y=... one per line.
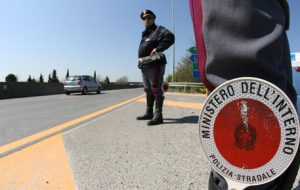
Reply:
x=83, y=36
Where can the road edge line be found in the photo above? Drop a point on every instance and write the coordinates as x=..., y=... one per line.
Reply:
x=21, y=143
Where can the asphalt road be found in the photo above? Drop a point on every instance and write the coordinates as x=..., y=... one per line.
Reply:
x=26, y=116
x=94, y=142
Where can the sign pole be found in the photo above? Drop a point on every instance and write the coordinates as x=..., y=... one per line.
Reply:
x=173, y=29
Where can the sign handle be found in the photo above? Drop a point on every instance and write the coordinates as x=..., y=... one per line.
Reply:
x=232, y=185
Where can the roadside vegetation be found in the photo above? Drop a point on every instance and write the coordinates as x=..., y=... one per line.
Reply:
x=182, y=74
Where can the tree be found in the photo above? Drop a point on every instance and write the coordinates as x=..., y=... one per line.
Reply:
x=122, y=79
x=54, y=77
x=49, y=78
x=11, y=78
x=41, y=78
x=106, y=81
x=183, y=71
x=29, y=79
x=95, y=75
x=169, y=78
x=67, y=75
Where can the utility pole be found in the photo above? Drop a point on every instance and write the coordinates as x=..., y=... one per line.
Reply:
x=173, y=30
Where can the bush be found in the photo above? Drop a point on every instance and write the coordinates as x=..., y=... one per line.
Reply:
x=11, y=78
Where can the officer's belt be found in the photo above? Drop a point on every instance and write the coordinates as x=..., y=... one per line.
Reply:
x=156, y=56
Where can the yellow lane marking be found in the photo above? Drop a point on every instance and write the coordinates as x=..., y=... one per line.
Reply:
x=179, y=104
x=58, y=128
x=43, y=165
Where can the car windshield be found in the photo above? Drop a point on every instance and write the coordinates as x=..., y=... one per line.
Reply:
x=296, y=80
x=74, y=78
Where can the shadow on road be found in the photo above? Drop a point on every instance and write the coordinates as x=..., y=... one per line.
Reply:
x=187, y=119
x=87, y=94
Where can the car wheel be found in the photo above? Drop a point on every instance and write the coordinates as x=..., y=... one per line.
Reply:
x=99, y=90
x=67, y=93
x=84, y=90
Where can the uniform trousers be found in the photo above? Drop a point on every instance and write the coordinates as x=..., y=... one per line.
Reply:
x=153, y=78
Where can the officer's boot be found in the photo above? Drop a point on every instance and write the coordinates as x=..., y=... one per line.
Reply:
x=149, y=110
x=158, y=117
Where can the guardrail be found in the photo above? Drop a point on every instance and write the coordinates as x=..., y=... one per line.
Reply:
x=186, y=85
x=28, y=89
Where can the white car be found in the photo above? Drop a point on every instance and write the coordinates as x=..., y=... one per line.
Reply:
x=82, y=84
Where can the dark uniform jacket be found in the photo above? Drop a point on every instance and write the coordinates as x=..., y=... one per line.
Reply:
x=154, y=37
x=245, y=39
x=254, y=45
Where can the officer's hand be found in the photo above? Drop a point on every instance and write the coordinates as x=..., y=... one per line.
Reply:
x=153, y=51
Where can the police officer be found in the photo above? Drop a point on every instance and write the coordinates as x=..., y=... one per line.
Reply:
x=245, y=38
x=152, y=61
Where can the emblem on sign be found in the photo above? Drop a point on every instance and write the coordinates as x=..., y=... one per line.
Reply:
x=249, y=131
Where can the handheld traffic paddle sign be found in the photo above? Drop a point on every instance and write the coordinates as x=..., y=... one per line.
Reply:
x=165, y=86
x=249, y=131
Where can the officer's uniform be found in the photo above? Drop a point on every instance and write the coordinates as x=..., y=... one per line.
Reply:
x=245, y=39
x=153, y=67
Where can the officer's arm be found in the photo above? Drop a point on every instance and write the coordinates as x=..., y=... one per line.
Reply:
x=165, y=40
